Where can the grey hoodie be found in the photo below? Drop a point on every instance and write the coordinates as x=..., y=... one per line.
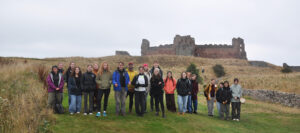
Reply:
x=236, y=92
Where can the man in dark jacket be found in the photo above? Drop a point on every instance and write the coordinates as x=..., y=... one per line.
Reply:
x=88, y=88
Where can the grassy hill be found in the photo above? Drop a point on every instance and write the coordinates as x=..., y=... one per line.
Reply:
x=23, y=99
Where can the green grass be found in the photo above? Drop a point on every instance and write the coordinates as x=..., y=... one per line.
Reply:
x=266, y=120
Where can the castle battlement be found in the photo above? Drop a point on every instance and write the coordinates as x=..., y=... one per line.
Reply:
x=185, y=45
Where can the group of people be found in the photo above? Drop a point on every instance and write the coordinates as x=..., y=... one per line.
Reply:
x=96, y=83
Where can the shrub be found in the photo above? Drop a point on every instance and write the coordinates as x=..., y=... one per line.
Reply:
x=219, y=70
x=194, y=70
x=42, y=74
x=286, y=70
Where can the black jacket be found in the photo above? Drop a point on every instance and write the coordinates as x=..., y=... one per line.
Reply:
x=224, y=94
x=156, y=88
x=88, y=82
x=75, y=89
x=139, y=85
x=183, y=87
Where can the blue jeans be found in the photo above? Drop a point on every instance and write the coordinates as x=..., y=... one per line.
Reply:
x=219, y=108
x=75, y=104
x=182, y=103
x=195, y=105
x=189, y=104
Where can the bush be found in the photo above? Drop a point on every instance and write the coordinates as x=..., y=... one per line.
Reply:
x=286, y=70
x=193, y=69
x=219, y=70
x=42, y=73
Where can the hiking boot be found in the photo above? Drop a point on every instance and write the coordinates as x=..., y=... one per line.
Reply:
x=78, y=112
x=156, y=113
x=90, y=113
x=104, y=113
x=98, y=114
x=84, y=113
x=71, y=113
x=163, y=115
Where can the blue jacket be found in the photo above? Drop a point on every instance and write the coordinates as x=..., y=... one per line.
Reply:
x=116, y=80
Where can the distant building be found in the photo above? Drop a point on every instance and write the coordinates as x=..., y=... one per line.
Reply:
x=185, y=45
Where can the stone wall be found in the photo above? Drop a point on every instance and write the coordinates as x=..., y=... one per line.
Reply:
x=185, y=45
x=287, y=99
x=122, y=53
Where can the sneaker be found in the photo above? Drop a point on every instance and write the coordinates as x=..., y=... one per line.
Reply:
x=90, y=113
x=71, y=113
x=237, y=119
x=98, y=114
x=104, y=113
x=234, y=119
x=84, y=113
x=78, y=112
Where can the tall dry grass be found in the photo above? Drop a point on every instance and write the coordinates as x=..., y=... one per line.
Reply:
x=23, y=99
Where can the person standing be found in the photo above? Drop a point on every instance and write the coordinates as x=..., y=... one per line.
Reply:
x=66, y=78
x=140, y=82
x=157, y=84
x=55, y=82
x=195, y=90
x=155, y=65
x=95, y=71
x=170, y=86
x=131, y=91
x=210, y=94
x=75, y=82
x=219, y=99
x=148, y=74
x=88, y=88
x=183, y=88
x=104, y=81
x=189, y=103
x=120, y=81
x=225, y=100
x=237, y=91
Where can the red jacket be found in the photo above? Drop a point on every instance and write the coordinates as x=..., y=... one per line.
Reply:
x=170, y=86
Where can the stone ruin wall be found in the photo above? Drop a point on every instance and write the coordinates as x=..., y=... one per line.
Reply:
x=185, y=45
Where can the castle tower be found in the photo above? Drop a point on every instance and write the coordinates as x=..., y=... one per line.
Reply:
x=145, y=46
x=239, y=45
x=184, y=45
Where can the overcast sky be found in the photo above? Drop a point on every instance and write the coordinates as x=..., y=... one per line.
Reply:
x=95, y=28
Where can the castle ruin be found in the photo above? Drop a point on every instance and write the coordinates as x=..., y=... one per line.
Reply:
x=185, y=45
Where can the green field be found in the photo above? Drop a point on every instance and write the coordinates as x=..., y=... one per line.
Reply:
x=254, y=118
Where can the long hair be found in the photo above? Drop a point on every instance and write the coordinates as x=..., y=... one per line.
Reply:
x=102, y=68
x=74, y=73
x=167, y=78
x=182, y=75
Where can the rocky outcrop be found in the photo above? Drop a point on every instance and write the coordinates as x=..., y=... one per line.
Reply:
x=259, y=63
x=122, y=53
x=287, y=99
x=293, y=68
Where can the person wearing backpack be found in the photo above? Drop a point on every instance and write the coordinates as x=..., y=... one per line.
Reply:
x=210, y=94
x=75, y=83
x=183, y=88
x=88, y=88
x=140, y=82
x=170, y=86
x=55, y=82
